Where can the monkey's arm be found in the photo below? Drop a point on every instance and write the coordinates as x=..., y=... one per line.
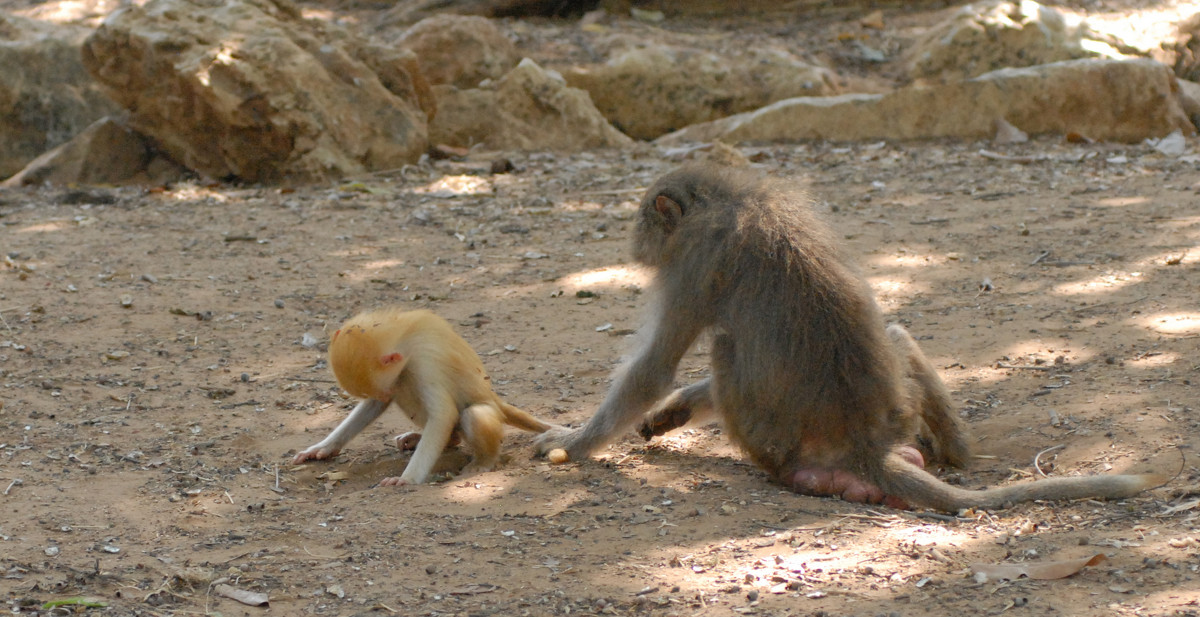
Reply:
x=441, y=418
x=636, y=386
x=693, y=404
x=364, y=413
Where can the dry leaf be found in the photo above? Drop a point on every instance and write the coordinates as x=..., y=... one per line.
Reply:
x=1043, y=571
x=249, y=598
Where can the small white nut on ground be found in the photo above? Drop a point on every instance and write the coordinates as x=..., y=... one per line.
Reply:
x=557, y=456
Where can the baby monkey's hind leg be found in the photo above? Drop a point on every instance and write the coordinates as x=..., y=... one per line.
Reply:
x=482, y=427
x=410, y=439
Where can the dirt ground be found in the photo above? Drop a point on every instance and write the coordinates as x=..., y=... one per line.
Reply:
x=161, y=360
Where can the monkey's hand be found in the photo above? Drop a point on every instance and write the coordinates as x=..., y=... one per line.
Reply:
x=394, y=481
x=315, y=453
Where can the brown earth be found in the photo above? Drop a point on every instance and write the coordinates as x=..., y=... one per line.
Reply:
x=156, y=380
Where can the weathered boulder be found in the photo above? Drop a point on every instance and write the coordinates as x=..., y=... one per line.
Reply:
x=107, y=152
x=1118, y=100
x=653, y=89
x=249, y=89
x=460, y=50
x=529, y=108
x=46, y=96
x=994, y=34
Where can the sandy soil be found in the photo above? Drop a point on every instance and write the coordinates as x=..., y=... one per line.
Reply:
x=161, y=361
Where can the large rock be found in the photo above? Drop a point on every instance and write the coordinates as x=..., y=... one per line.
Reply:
x=986, y=36
x=530, y=108
x=1102, y=99
x=46, y=96
x=107, y=152
x=653, y=89
x=249, y=89
x=460, y=50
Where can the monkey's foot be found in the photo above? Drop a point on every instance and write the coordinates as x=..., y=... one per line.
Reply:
x=394, y=481
x=664, y=421
x=314, y=453
x=408, y=441
x=557, y=441
x=826, y=481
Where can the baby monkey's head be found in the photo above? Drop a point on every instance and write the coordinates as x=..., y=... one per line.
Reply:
x=360, y=362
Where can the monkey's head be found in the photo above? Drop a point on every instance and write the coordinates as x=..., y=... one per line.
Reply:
x=361, y=365
x=662, y=211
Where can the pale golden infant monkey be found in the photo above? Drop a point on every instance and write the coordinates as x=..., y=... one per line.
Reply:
x=416, y=360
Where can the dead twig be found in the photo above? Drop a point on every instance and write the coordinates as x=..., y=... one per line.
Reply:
x=1037, y=463
x=1024, y=367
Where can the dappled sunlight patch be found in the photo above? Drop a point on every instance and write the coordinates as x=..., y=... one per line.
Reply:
x=906, y=259
x=1153, y=360
x=1179, y=324
x=612, y=277
x=1103, y=283
x=191, y=192
x=1121, y=202
x=43, y=227
x=576, y=205
x=1175, y=257
x=357, y=252
x=373, y=269
x=928, y=535
x=892, y=291
x=71, y=11
x=681, y=440
x=455, y=186
x=480, y=488
x=1142, y=26
x=499, y=486
x=220, y=57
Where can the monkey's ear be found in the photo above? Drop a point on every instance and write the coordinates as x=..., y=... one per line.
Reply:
x=335, y=335
x=670, y=210
x=390, y=359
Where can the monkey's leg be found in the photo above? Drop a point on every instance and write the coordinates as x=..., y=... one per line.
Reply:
x=693, y=404
x=483, y=427
x=441, y=418
x=797, y=475
x=364, y=413
x=636, y=386
x=933, y=400
x=410, y=439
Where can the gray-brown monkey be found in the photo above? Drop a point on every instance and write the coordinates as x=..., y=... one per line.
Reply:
x=805, y=376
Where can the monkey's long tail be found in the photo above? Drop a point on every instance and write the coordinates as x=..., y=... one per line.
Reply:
x=519, y=418
x=896, y=476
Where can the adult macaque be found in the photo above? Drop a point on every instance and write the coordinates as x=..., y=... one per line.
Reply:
x=805, y=376
x=416, y=360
